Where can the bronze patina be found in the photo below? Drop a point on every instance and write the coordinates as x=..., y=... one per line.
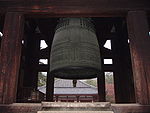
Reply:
x=75, y=50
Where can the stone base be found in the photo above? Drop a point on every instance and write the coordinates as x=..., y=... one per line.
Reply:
x=20, y=108
x=75, y=112
x=75, y=106
x=130, y=108
x=34, y=108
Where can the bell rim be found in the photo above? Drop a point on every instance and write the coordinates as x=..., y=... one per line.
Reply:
x=55, y=71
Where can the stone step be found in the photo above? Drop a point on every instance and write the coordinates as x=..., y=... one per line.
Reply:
x=75, y=112
x=75, y=106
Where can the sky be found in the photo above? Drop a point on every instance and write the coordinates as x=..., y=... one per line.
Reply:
x=1, y=34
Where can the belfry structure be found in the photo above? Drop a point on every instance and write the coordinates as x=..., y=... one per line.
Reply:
x=75, y=33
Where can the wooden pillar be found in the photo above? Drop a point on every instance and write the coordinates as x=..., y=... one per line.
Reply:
x=50, y=77
x=101, y=87
x=101, y=80
x=57, y=98
x=138, y=31
x=123, y=77
x=35, y=57
x=50, y=88
x=78, y=98
x=10, y=56
x=1, y=26
x=32, y=60
x=50, y=80
x=28, y=71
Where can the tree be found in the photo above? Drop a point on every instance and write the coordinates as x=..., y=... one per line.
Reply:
x=109, y=78
x=41, y=79
x=92, y=82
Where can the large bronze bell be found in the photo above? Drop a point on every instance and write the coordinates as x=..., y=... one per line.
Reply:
x=75, y=51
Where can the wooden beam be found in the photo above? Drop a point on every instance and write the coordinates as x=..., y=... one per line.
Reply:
x=44, y=53
x=43, y=68
x=10, y=56
x=63, y=8
x=138, y=31
x=108, y=67
x=106, y=53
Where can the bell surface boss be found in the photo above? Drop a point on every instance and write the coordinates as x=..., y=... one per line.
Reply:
x=75, y=52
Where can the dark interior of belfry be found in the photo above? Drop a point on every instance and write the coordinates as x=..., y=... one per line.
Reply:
x=75, y=51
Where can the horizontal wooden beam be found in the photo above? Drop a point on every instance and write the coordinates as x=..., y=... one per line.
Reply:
x=43, y=68
x=44, y=53
x=106, y=53
x=63, y=8
x=108, y=67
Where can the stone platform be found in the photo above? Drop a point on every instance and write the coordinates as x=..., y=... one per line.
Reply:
x=75, y=112
x=76, y=104
x=37, y=107
x=69, y=107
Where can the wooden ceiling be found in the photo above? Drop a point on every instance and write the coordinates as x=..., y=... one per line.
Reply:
x=78, y=8
x=47, y=27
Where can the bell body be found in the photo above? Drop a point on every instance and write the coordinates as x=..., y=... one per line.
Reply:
x=75, y=51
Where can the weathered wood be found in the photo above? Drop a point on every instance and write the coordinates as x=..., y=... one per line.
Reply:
x=31, y=60
x=50, y=79
x=43, y=54
x=74, y=7
x=101, y=81
x=138, y=31
x=108, y=67
x=10, y=56
x=123, y=77
x=49, y=87
x=30, y=65
x=27, y=80
x=35, y=56
x=106, y=53
x=101, y=87
x=43, y=68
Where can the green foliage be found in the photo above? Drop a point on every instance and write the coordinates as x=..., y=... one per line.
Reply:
x=92, y=82
x=109, y=78
x=41, y=79
x=110, y=98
